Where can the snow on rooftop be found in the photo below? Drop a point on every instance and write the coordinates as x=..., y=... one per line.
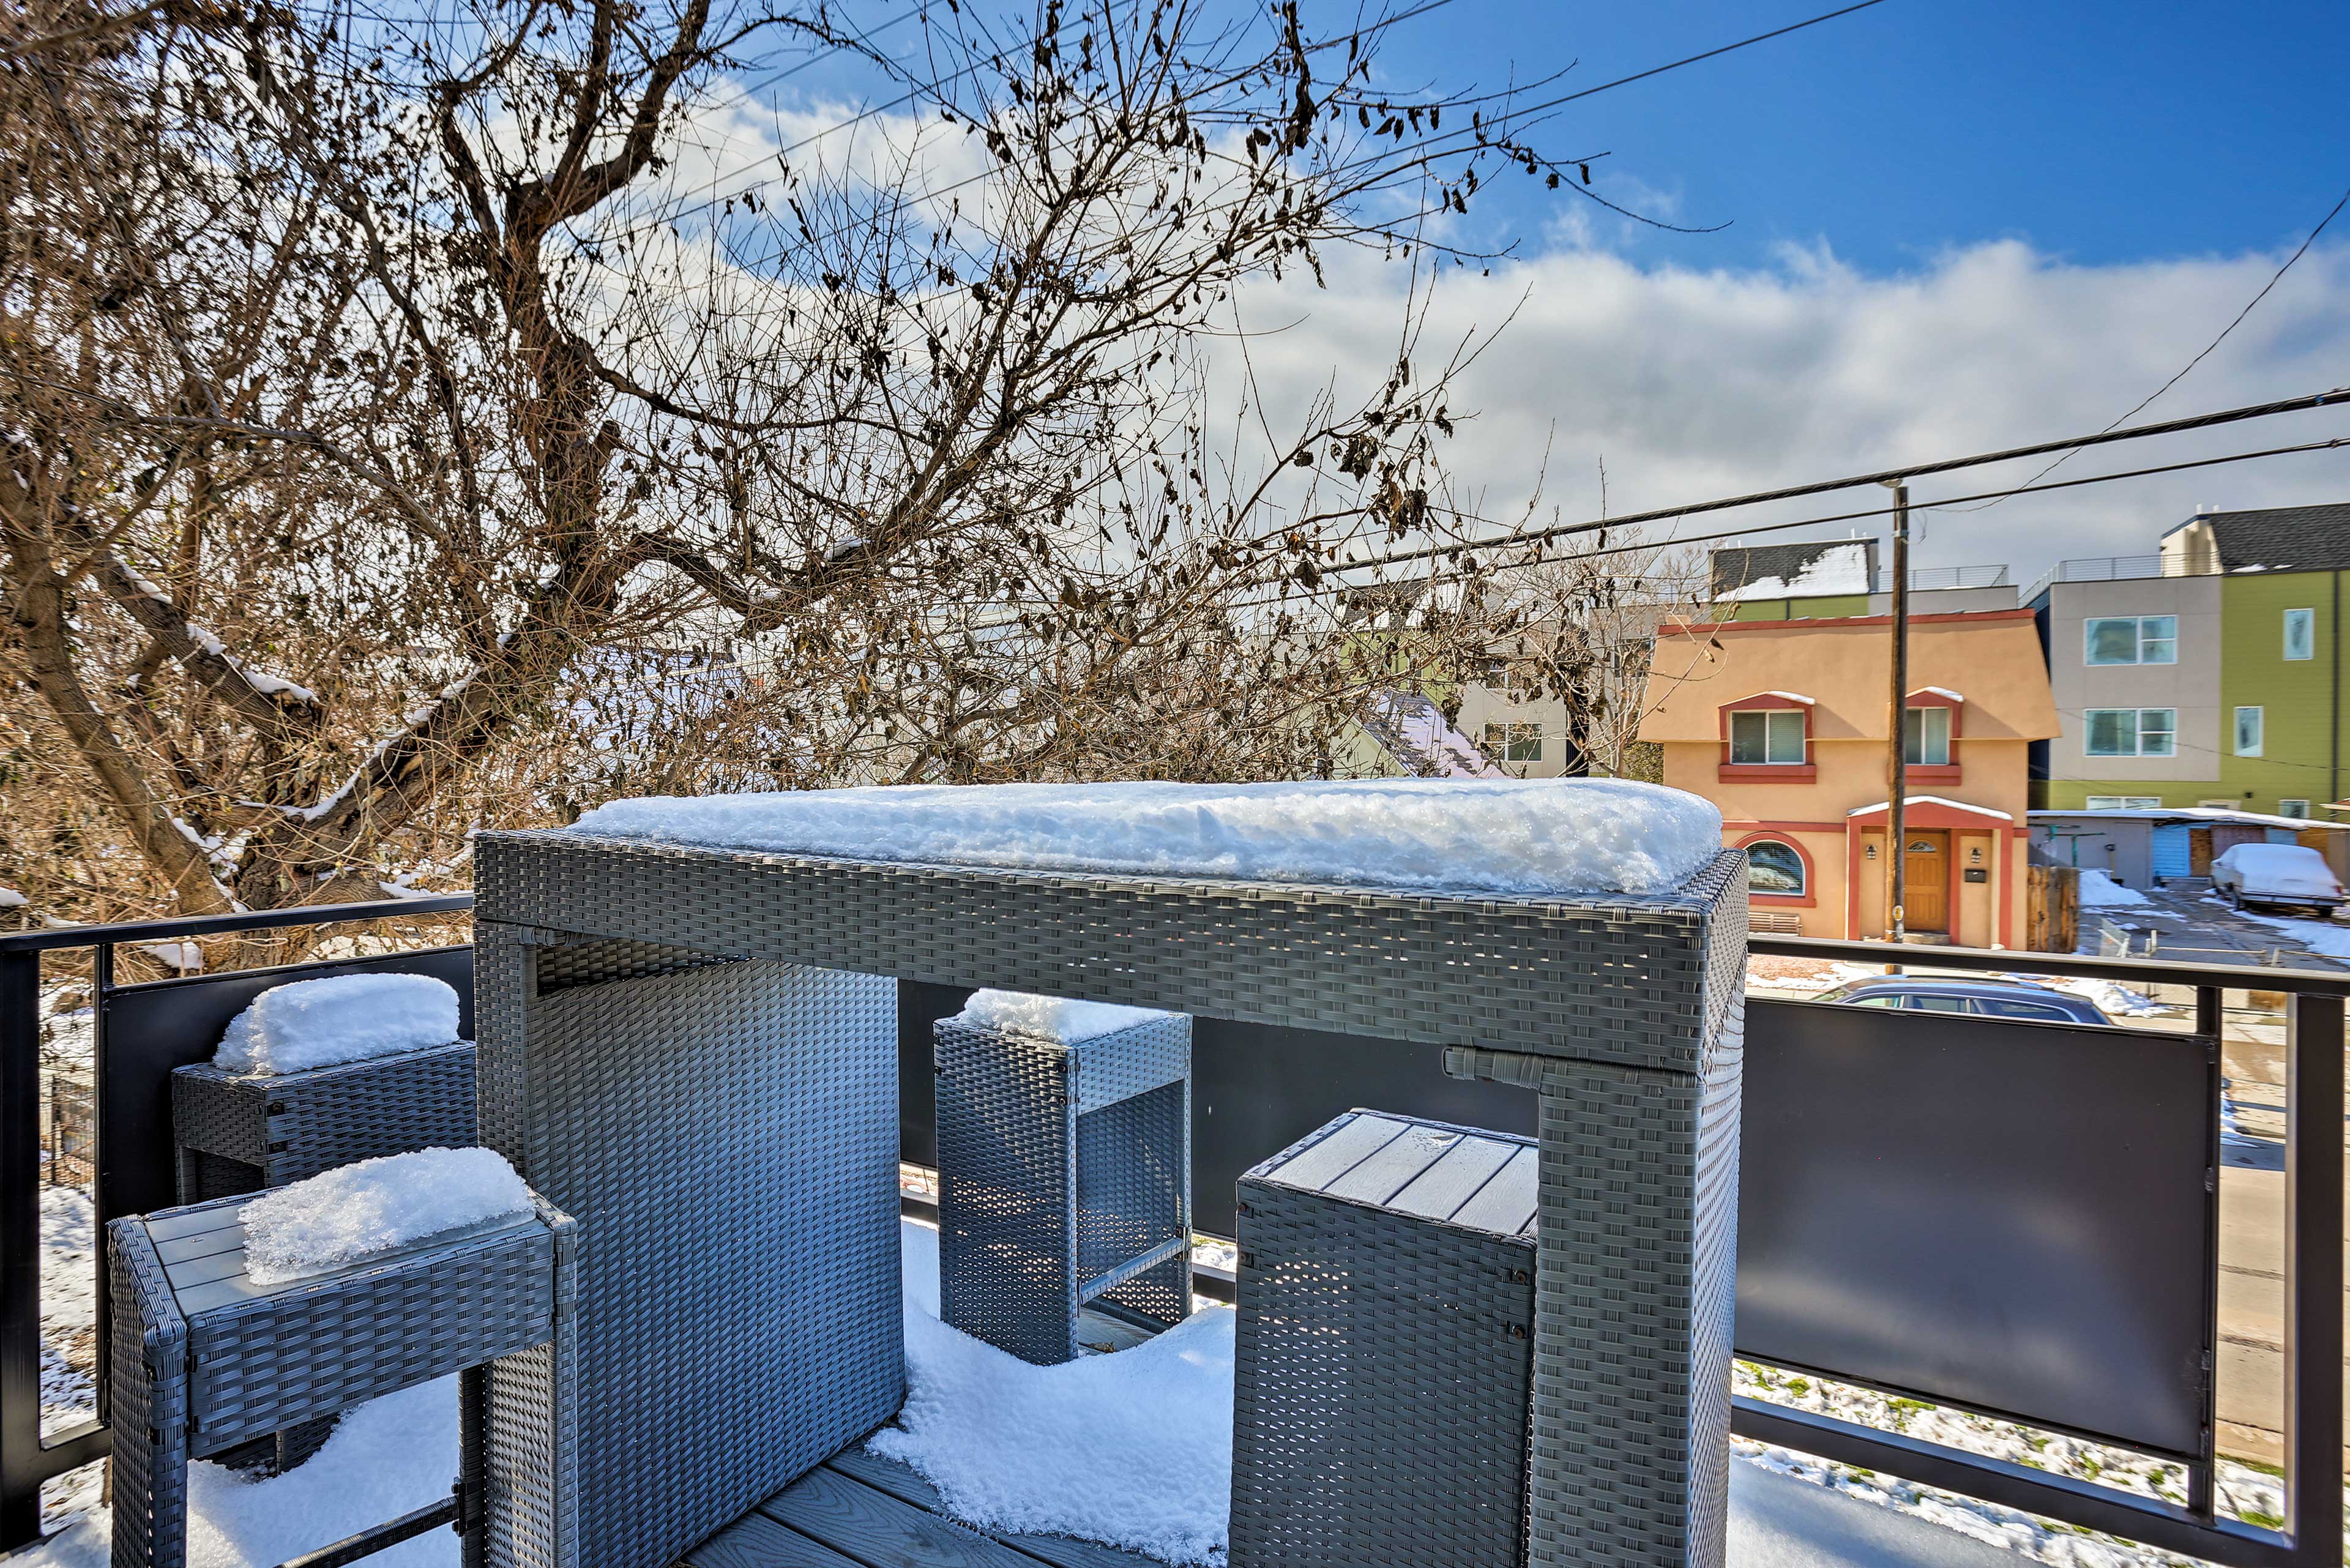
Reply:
x=1538, y=836
x=1843, y=569
x=1792, y=697
x=1941, y=692
x=354, y=1212
x=344, y=1018
x=1933, y=800
x=2215, y=813
x=1054, y=1017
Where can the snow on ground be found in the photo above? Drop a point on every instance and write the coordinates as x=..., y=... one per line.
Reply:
x=1809, y=976
x=2099, y=892
x=2253, y=1496
x=1498, y=836
x=69, y=1306
x=1056, y=1018
x=1135, y=1448
x=357, y=1211
x=2328, y=938
x=348, y=1018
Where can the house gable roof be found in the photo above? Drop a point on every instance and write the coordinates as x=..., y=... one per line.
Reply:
x=2281, y=538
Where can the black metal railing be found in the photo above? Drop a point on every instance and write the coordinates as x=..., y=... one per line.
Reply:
x=131, y=1169
x=1260, y=1088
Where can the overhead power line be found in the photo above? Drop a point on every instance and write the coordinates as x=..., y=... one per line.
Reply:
x=2336, y=396
x=1306, y=595
x=2275, y=278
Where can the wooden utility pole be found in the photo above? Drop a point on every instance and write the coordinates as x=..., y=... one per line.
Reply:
x=1897, y=724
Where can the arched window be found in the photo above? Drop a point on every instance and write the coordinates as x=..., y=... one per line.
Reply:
x=1774, y=868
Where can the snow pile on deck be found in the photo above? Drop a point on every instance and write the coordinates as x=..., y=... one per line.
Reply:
x=2099, y=892
x=1134, y=1448
x=1055, y=1017
x=348, y=1018
x=358, y=1211
x=1466, y=835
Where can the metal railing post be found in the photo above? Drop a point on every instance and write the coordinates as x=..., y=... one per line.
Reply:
x=2313, y=1332
x=20, y=1249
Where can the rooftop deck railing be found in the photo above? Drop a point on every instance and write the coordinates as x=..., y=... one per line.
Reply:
x=2109, y=569
x=1930, y=580
x=1886, y=1155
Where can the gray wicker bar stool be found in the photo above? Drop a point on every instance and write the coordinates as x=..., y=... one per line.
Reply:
x=205, y=1360
x=238, y=1133
x=1065, y=1178
x=1384, y=1364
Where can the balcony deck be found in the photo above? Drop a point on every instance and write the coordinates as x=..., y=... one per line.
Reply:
x=858, y=1510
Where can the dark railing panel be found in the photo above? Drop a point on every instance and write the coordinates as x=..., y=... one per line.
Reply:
x=1255, y=1090
x=2020, y=1218
x=148, y=1029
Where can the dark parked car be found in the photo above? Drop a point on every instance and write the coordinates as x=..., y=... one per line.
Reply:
x=1983, y=998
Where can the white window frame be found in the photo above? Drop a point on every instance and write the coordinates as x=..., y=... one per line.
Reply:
x=1925, y=738
x=1519, y=741
x=2307, y=620
x=2168, y=730
x=2260, y=730
x=2124, y=802
x=2165, y=644
x=2285, y=808
x=1774, y=722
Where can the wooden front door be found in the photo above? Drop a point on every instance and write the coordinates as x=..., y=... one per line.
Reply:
x=2198, y=852
x=1926, y=871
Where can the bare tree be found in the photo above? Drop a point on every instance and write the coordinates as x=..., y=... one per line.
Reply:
x=399, y=410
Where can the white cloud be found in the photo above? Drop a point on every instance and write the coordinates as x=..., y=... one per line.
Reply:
x=1693, y=384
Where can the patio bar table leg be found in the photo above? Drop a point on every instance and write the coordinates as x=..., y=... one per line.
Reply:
x=1634, y=1300
x=714, y=1123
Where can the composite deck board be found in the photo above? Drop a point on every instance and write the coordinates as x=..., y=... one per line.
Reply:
x=754, y=1541
x=880, y=1531
x=906, y=1485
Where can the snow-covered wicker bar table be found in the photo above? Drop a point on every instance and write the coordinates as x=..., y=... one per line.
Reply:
x=685, y=1041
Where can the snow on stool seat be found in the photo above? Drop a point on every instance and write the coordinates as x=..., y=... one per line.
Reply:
x=1384, y=1358
x=238, y=1317
x=319, y=1074
x=1064, y=1173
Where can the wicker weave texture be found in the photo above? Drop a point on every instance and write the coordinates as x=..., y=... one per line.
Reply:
x=1382, y=1372
x=290, y=1125
x=714, y=1127
x=1610, y=978
x=218, y=1359
x=1058, y=1164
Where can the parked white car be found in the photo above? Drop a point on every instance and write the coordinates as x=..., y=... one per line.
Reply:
x=2276, y=873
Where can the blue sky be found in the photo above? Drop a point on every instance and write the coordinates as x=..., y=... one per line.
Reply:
x=1955, y=225
x=2099, y=130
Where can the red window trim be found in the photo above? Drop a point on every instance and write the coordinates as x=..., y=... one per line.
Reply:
x=1807, y=900
x=1728, y=772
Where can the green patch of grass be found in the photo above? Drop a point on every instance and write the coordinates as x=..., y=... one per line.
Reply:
x=2255, y=1517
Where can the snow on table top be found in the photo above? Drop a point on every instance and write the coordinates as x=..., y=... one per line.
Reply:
x=354, y=1212
x=1539, y=836
x=344, y=1018
x=1055, y=1017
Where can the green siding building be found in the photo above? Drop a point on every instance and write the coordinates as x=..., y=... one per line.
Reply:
x=2210, y=674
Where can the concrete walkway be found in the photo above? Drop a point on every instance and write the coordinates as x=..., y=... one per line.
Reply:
x=1779, y=1521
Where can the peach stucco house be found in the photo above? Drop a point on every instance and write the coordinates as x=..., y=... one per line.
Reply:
x=1783, y=724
